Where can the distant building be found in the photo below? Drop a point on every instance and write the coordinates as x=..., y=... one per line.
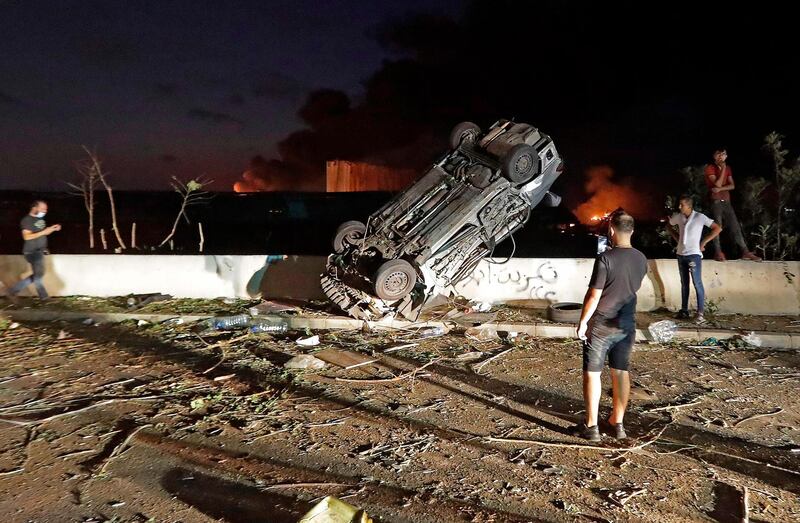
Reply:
x=346, y=176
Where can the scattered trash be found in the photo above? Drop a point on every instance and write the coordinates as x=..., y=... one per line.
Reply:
x=482, y=334
x=470, y=356
x=142, y=323
x=334, y=510
x=431, y=332
x=400, y=347
x=310, y=341
x=752, y=339
x=709, y=342
x=663, y=331
x=304, y=361
x=230, y=322
x=271, y=307
x=225, y=377
x=62, y=335
x=13, y=325
x=269, y=326
x=88, y=321
x=173, y=321
x=344, y=358
x=481, y=306
x=229, y=301
x=140, y=300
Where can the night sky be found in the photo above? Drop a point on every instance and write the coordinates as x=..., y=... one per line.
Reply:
x=190, y=88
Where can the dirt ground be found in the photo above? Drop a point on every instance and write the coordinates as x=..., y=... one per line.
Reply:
x=172, y=422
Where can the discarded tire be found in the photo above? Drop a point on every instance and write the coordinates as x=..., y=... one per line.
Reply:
x=565, y=312
x=348, y=233
x=394, y=280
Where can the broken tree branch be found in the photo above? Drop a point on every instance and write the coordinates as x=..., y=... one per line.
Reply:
x=389, y=380
x=478, y=366
x=577, y=445
x=754, y=416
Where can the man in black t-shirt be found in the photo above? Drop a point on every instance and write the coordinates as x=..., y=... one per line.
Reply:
x=34, y=233
x=608, y=327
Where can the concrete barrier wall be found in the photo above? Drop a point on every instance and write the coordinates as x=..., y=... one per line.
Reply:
x=736, y=286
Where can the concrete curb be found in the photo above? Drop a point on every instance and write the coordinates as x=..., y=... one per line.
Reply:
x=773, y=340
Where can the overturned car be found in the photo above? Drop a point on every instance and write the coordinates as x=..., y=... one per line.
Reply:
x=432, y=235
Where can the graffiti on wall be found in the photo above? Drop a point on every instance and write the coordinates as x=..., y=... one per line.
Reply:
x=538, y=283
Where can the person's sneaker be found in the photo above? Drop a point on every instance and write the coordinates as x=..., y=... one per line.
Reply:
x=747, y=255
x=682, y=315
x=720, y=256
x=618, y=431
x=582, y=431
x=700, y=320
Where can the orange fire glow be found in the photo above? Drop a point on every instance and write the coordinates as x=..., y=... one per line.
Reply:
x=606, y=194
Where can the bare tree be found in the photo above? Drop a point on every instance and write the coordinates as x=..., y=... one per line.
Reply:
x=192, y=193
x=86, y=189
x=93, y=164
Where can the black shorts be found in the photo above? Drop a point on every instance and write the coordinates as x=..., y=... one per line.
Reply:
x=608, y=339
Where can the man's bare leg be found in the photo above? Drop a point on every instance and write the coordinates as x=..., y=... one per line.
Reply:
x=591, y=396
x=621, y=387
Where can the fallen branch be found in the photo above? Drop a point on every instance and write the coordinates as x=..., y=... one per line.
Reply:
x=71, y=412
x=754, y=416
x=478, y=366
x=222, y=345
x=389, y=380
x=306, y=485
x=577, y=445
x=677, y=406
x=745, y=505
x=121, y=447
x=11, y=472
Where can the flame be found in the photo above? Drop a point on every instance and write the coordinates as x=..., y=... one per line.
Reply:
x=606, y=194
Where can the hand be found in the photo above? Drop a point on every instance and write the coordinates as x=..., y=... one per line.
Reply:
x=53, y=228
x=703, y=246
x=581, y=332
x=715, y=190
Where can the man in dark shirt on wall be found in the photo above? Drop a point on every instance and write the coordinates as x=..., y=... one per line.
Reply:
x=608, y=327
x=719, y=180
x=34, y=233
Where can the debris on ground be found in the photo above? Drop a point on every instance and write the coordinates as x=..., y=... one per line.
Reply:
x=268, y=307
x=662, y=331
x=344, y=359
x=308, y=341
x=305, y=361
x=482, y=334
x=334, y=510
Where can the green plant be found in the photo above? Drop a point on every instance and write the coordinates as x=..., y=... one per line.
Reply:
x=712, y=306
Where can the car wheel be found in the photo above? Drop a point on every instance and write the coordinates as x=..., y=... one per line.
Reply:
x=521, y=163
x=348, y=233
x=395, y=279
x=565, y=312
x=463, y=132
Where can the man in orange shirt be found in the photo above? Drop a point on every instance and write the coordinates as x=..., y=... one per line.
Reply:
x=719, y=180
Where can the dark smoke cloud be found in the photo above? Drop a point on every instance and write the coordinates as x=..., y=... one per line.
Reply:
x=584, y=73
x=7, y=99
x=213, y=117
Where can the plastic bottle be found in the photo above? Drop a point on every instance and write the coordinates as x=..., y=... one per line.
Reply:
x=230, y=322
x=431, y=332
x=270, y=326
x=663, y=331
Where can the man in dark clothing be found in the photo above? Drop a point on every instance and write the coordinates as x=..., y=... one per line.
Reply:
x=719, y=180
x=34, y=233
x=608, y=327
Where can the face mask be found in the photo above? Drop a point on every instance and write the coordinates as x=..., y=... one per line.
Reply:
x=40, y=214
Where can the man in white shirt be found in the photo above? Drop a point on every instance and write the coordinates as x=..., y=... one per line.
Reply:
x=691, y=244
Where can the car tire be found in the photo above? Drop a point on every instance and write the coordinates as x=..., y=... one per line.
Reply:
x=394, y=279
x=347, y=234
x=464, y=132
x=521, y=163
x=565, y=312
